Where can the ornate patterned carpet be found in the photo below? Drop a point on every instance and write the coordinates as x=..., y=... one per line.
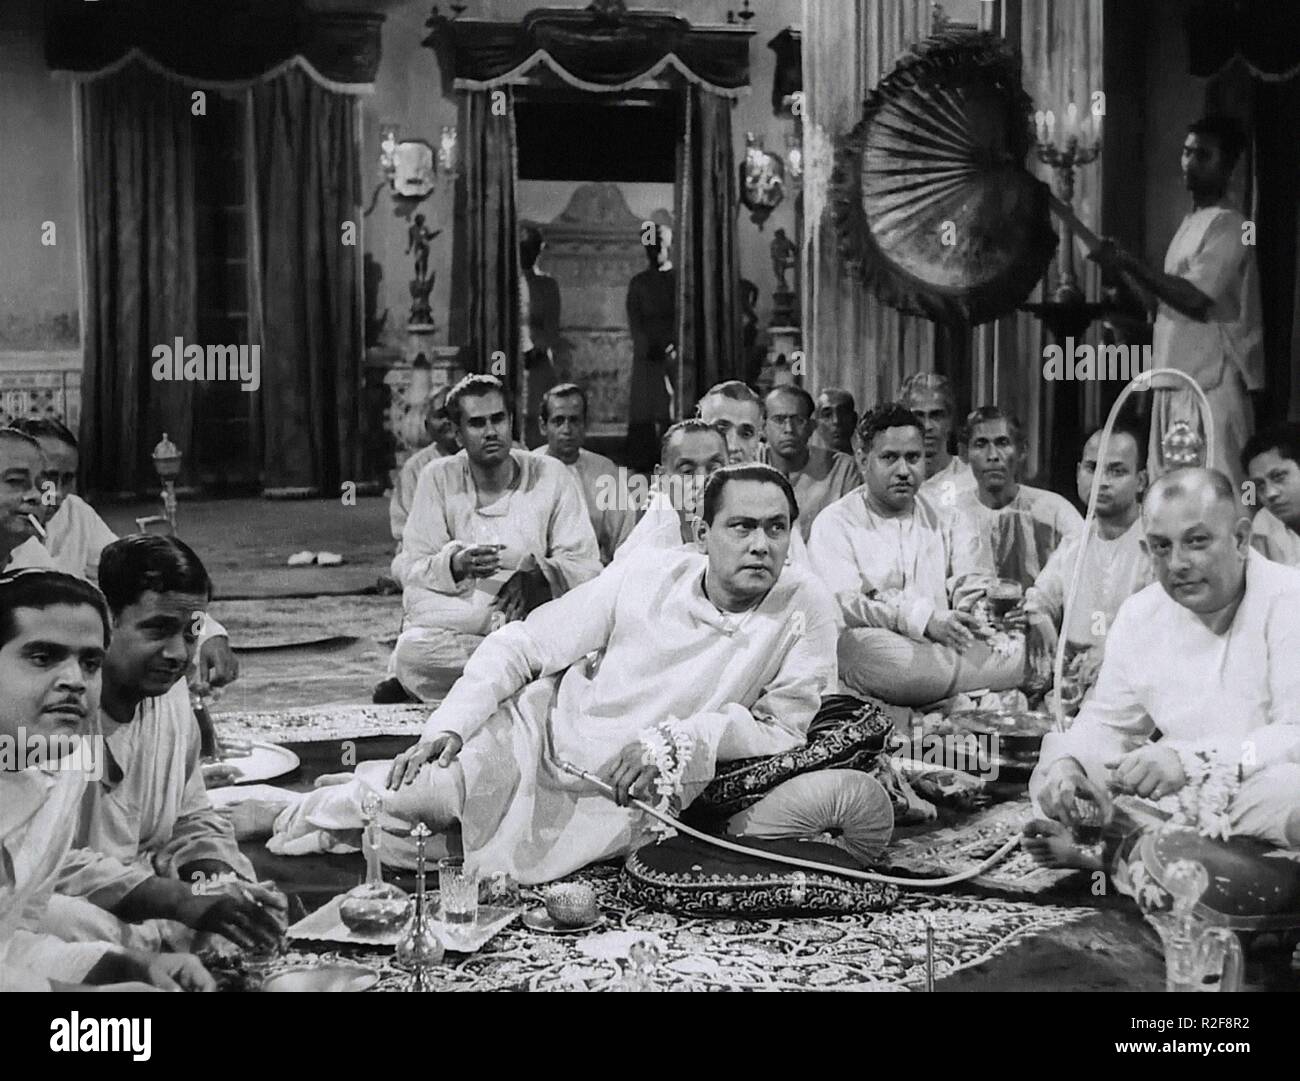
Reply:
x=884, y=952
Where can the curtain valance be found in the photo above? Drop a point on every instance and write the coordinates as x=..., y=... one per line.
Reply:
x=219, y=44
x=591, y=50
x=1262, y=34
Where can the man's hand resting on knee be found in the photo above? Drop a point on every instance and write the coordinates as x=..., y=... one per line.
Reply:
x=956, y=630
x=1065, y=783
x=445, y=747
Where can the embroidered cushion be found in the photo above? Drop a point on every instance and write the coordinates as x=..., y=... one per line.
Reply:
x=851, y=807
x=847, y=733
x=690, y=878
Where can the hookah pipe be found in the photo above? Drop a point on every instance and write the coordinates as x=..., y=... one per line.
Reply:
x=1141, y=382
x=794, y=861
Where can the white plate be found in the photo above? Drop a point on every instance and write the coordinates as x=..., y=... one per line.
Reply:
x=267, y=761
x=538, y=919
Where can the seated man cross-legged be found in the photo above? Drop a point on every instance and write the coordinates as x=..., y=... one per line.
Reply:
x=1206, y=655
x=894, y=562
x=706, y=655
x=493, y=532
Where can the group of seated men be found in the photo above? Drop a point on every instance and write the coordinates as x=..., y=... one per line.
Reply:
x=564, y=618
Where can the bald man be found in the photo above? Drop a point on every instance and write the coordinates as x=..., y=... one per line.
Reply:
x=1206, y=655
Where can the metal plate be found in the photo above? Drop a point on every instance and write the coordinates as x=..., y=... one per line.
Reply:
x=323, y=978
x=265, y=762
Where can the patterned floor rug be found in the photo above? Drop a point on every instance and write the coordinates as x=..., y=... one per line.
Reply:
x=941, y=852
x=315, y=723
x=883, y=952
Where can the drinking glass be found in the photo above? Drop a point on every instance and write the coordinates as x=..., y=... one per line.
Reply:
x=457, y=891
x=1003, y=595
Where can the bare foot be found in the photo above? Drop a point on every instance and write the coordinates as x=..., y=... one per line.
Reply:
x=253, y=819
x=1051, y=845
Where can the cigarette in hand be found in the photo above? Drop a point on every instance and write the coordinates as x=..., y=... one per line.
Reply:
x=40, y=529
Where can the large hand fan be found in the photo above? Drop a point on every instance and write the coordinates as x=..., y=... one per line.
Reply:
x=936, y=212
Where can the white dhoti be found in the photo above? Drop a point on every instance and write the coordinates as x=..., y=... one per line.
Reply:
x=879, y=663
x=428, y=660
x=1267, y=805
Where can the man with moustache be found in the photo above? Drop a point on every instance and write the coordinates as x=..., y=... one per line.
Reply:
x=1018, y=526
x=1115, y=565
x=896, y=564
x=837, y=417
x=564, y=424
x=177, y=857
x=1206, y=655
x=1271, y=460
x=1206, y=297
x=819, y=476
x=930, y=397
x=21, y=466
x=706, y=655
x=54, y=630
x=494, y=532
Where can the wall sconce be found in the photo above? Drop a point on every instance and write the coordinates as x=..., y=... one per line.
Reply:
x=449, y=151
x=408, y=167
x=388, y=150
x=794, y=152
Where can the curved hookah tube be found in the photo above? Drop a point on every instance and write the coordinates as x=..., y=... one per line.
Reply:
x=1141, y=382
x=794, y=861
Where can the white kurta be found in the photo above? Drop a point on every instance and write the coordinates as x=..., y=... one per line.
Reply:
x=612, y=524
x=891, y=572
x=826, y=477
x=1017, y=540
x=948, y=483
x=1274, y=539
x=408, y=477
x=31, y=553
x=541, y=521
x=743, y=685
x=38, y=817
x=150, y=810
x=1237, y=692
x=77, y=535
x=1224, y=352
x=1113, y=571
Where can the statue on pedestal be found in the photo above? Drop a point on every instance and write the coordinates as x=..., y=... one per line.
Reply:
x=417, y=241
x=785, y=255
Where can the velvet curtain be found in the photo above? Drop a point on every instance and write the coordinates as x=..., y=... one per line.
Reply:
x=1061, y=46
x=137, y=186
x=486, y=278
x=853, y=340
x=308, y=186
x=708, y=306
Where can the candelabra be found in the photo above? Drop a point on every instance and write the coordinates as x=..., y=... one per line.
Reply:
x=167, y=462
x=1082, y=146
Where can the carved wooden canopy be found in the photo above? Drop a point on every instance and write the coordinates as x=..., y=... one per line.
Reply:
x=599, y=48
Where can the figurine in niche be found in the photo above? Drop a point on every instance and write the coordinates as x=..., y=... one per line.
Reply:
x=749, y=329
x=652, y=320
x=417, y=240
x=539, y=329
x=785, y=256
x=762, y=180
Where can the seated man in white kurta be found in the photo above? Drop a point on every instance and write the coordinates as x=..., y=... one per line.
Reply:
x=1207, y=656
x=1018, y=526
x=1115, y=565
x=493, y=533
x=722, y=647
x=564, y=423
x=895, y=565
x=442, y=444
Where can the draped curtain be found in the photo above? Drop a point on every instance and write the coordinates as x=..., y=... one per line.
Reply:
x=708, y=306
x=308, y=185
x=137, y=187
x=853, y=341
x=486, y=278
x=1061, y=47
